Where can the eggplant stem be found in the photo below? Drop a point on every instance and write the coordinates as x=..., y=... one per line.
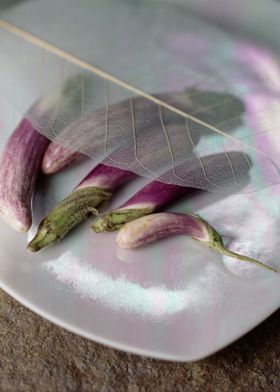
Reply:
x=44, y=237
x=216, y=242
x=114, y=220
x=220, y=248
x=67, y=214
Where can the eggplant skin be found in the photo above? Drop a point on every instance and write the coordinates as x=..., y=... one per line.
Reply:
x=154, y=227
x=91, y=194
x=19, y=167
x=57, y=157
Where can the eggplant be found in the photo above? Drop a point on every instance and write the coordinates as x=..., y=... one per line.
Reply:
x=154, y=227
x=88, y=198
x=157, y=195
x=19, y=168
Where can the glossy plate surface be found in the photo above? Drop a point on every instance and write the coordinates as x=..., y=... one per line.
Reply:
x=174, y=300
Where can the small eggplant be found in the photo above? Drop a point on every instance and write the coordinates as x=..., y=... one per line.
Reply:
x=208, y=106
x=22, y=157
x=57, y=157
x=149, y=199
x=157, y=195
x=154, y=227
x=87, y=198
x=19, y=168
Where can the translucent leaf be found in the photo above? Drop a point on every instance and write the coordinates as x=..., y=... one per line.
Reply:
x=147, y=87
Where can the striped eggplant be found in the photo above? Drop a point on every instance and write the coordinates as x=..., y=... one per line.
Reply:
x=152, y=197
x=154, y=227
x=22, y=157
x=157, y=195
x=208, y=106
x=57, y=157
x=87, y=198
x=19, y=168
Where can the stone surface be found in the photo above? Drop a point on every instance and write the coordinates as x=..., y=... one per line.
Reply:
x=36, y=355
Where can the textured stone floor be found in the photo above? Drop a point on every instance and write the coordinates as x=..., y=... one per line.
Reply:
x=35, y=355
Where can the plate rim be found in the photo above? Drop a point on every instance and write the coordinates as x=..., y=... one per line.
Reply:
x=130, y=349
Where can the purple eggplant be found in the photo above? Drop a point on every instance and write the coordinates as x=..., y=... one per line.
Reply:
x=154, y=227
x=87, y=198
x=57, y=157
x=19, y=168
x=23, y=154
x=152, y=197
x=157, y=195
x=208, y=106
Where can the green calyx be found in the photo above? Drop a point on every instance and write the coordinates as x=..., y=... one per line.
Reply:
x=216, y=242
x=116, y=219
x=67, y=214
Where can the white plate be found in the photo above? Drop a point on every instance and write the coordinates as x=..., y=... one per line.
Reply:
x=174, y=300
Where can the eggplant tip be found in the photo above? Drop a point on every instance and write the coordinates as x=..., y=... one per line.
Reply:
x=23, y=229
x=16, y=224
x=44, y=237
x=102, y=224
x=32, y=249
x=20, y=227
x=124, y=241
x=123, y=245
x=47, y=168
